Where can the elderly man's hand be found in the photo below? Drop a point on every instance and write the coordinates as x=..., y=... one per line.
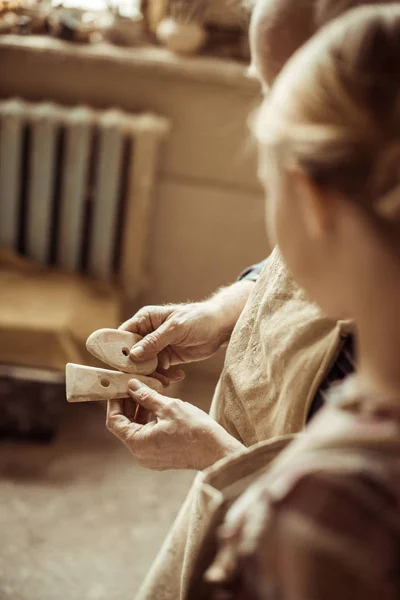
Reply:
x=177, y=333
x=183, y=333
x=181, y=436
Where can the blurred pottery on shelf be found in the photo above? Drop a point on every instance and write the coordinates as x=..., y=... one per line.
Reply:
x=38, y=17
x=125, y=31
x=75, y=25
x=154, y=12
x=8, y=23
x=24, y=17
x=181, y=38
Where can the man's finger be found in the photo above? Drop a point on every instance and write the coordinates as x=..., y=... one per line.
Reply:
x=117, y=422
x=142, y=321
x=168, y=376
x=151, y=382
x=131, y=325
x=147, y=319
x=115, y=408
x=163, y=359
x=173, y=375
x=149, y=399
x=142, y=416
x=153, y=343
x=161, y=378
x=130, y=408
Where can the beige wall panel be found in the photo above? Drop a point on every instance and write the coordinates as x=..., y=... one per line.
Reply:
x=202, y=238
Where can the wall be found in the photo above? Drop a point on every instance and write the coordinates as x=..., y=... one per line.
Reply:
x=208, y=217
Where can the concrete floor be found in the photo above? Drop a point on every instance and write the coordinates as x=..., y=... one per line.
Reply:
x=80, y=519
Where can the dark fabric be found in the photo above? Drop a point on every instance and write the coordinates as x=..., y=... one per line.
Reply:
x=252, y=273
x=344, y=365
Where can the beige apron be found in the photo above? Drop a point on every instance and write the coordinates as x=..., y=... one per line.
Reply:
x=278, y=354
x=277, y=357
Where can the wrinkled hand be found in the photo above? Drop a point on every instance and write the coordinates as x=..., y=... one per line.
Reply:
x=178, y=334
x=181, y=437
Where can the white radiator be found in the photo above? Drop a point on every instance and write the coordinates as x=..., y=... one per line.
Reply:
x=76, y=187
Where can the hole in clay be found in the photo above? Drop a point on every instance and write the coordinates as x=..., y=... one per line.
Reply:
x=125, y=351
x=105, y=382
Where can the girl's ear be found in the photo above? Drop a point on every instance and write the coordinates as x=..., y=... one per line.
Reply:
x=318, y=205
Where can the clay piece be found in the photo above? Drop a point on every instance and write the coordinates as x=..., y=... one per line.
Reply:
x=112, y=347
x=91, y=384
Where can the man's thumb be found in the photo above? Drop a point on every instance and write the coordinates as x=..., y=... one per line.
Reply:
x=153, y=343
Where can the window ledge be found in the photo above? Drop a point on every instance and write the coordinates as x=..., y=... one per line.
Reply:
x=149, y=58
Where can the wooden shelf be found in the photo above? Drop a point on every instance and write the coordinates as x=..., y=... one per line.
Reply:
x=149, y=58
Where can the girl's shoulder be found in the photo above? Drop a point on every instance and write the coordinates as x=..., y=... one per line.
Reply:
x=369, y=416
x=354, y=436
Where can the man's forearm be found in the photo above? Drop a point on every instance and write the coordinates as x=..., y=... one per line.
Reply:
x=230, y=302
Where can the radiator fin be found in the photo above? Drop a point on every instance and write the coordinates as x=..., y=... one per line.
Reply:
x=45, y=120
x=78, y=124
x=11, y=148
x=106, y=194
x=76, y=186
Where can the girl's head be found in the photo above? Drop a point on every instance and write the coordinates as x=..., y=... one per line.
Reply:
x=279, y=27
x=329, y=136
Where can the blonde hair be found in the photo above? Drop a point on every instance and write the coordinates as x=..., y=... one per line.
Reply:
x=334, y=111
